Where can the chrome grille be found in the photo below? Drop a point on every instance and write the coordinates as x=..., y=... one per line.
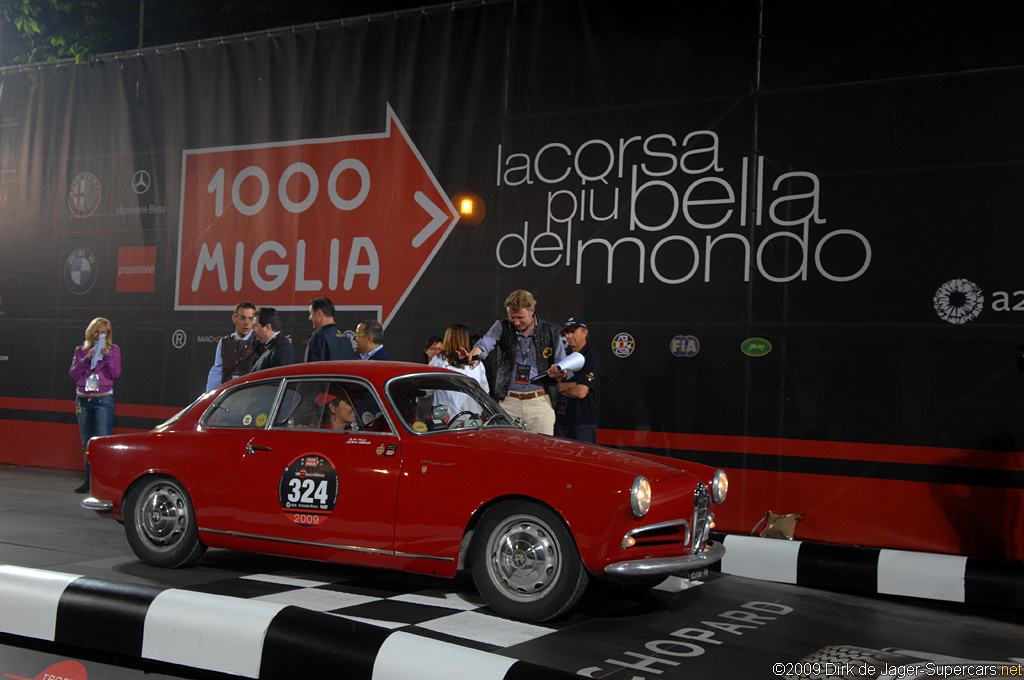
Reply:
x=701, y=508
x=664, y=533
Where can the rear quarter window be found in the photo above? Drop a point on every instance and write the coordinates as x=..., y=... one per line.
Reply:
x=246, y=407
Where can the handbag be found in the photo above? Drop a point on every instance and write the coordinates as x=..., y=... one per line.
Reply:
x=778, y=526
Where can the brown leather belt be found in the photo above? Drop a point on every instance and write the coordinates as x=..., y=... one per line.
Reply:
x=523, y=396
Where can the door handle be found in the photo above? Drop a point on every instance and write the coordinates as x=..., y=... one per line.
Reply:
x=251, y=449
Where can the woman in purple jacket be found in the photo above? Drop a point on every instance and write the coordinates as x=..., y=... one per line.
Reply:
x=97, y=362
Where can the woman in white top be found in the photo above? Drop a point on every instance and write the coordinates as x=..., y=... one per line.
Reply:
x=456, y=336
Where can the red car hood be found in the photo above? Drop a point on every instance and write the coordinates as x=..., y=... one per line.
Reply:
x=655, y=468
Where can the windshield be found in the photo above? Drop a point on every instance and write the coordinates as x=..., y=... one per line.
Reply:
x=434, y=402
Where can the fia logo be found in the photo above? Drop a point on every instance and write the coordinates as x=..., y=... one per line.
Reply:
x=684, y=346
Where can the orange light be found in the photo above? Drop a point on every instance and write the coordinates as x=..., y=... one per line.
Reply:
x=471, y=208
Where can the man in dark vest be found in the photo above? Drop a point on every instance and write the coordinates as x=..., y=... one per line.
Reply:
x=237, y=352
x=528, y=347
x=327, y=342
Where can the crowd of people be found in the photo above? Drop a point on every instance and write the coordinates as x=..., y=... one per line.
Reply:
x=258, y=343
x=518, y=361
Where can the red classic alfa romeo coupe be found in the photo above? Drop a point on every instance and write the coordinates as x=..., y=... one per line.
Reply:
x=399, y=466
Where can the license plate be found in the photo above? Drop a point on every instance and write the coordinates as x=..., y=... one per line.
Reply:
x=698, y=574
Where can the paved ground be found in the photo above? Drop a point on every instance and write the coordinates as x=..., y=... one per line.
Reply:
x=725, y=627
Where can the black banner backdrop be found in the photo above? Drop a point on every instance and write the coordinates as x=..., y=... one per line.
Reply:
x=793, y=229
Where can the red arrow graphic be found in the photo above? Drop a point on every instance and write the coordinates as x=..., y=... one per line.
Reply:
x=357, y=219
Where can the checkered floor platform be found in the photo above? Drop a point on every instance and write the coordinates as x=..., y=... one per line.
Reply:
x=454, y=614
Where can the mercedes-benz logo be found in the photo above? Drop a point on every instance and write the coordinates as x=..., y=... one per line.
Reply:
x=141, y=181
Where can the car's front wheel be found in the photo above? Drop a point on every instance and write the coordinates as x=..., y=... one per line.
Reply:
x=525, y=563
x=160, y=523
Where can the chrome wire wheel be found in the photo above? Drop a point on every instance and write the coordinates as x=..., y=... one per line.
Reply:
x=523, y=557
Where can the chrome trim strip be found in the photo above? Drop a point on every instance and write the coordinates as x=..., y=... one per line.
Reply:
x=425, y=557
x=312, y=544
x=663, y=566
x=91, y=503
x=658, y=527
x=701, y=510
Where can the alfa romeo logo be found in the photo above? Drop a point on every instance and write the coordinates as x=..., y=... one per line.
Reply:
x=84, y=194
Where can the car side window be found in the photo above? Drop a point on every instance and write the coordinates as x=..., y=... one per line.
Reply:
x=298, y=409
x=446, y=402
x=340, y=405
x=246, y=407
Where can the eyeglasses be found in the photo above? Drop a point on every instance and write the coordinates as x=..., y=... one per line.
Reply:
x=361, y=335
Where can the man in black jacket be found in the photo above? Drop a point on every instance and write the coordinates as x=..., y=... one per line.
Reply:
x=579, y=405
x=328, y=342
x=278, y=350
x=528, y=347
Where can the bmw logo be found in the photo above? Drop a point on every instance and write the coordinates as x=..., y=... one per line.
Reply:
x=80, y=271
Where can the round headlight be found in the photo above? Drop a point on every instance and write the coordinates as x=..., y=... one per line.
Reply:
x=640, y=497
x=719, y=486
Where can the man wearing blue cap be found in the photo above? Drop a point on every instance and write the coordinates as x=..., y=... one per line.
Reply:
x=576, y=413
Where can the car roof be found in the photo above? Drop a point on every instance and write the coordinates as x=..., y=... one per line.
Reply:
x=374, y=371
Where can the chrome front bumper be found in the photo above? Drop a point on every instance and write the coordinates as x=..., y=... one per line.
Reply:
x=91, y=503
x=663, y=566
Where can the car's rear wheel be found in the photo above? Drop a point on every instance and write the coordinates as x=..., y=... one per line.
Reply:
x=160, y=523
x=525, y=563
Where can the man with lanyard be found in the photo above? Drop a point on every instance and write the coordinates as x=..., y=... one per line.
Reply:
x=327, y=342
x=237, y=352
x=578, y=405
x=528, y=349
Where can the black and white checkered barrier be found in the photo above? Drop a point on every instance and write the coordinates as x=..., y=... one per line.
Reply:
x=881, y=571
x=248, y=638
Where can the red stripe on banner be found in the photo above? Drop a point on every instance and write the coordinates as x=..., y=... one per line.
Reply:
x=940, y=518
x=68, y=406
x=46, y=445
x=957, y=519
x=889, y=453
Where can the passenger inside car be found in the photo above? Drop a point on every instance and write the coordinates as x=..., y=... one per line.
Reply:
x=338, y=412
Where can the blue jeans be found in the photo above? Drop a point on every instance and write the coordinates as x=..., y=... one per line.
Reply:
x=95, y=417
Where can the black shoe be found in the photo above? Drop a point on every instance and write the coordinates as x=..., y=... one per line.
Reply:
x=83, y=489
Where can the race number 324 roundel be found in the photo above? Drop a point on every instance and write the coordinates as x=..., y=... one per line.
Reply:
x=309, y=489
